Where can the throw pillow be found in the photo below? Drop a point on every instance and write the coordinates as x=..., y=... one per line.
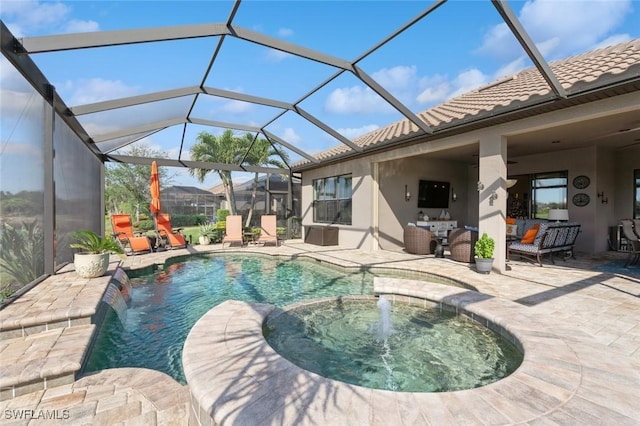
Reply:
x=530, y=236
x=511, y=221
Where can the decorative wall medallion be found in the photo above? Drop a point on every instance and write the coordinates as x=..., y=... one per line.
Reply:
x=581, y=199
x=581, y=182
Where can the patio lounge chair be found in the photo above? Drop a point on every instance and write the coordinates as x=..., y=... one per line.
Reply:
x=268, y=231
x=170, y=238
x=233, y=232
x=633, y=242
x=132, y=243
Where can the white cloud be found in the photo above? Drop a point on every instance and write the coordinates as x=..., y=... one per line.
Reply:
x=78, y=26
x=274, y=55
x=439, y=88
x=354, y=132
x=433, y=89
x=560, y=28
x=87, y=91
x=467, y=81
x=31, y=17
x=511, y=68
x=291, y=136
x=285, y=32
x=398, y=77
x=615, y=39
x=236, y=107
x=356, y=100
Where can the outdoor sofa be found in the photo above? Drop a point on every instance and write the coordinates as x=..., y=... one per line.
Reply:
x=552, y=237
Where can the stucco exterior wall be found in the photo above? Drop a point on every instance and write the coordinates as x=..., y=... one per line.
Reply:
x=394, y=211
x=360, y=233
x=380, y=210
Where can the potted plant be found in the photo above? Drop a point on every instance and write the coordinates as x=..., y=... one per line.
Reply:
x=483, y=250
x=206, y=233
x=93, y=259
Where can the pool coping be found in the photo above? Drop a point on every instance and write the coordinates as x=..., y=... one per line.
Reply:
x=246, y=379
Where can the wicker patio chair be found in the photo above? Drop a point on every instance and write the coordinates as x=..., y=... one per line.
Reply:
x=461, y=244
x=417, y=240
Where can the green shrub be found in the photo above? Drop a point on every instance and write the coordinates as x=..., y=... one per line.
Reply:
x=222, y=214
x=143, y=225
x=484, y=247
x=184, y=220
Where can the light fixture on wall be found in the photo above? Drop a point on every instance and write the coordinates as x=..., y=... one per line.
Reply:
x=492, y=197
x=558, y=214
x=480, y=186
x=602, y=198
x=407, y=194
x=454, y=196
x=511, y=182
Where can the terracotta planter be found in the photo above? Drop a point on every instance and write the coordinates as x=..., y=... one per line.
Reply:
x=89, y=265
x=483, y=266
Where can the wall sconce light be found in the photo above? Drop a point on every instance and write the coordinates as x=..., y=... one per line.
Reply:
x=454, y=196
x=480, y=186
x=407, y=194
x=492, y=197
x=602, y=198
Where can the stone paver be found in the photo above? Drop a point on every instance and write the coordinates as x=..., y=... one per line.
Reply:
x=594, y=315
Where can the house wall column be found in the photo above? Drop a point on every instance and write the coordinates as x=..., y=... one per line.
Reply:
x=375, y=209
x=493, y=194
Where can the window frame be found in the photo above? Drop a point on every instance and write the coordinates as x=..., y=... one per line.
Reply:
x=332, y=199
x=562, y=175
x=636, y=194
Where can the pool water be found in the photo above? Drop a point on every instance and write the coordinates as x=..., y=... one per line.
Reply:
x=163, y=306
x=412, y=349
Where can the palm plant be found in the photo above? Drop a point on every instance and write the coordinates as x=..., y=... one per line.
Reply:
x=262, y=153
x=90, y=242
x=223, y=149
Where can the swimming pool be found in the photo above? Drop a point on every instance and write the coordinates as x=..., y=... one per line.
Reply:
x=164, y=305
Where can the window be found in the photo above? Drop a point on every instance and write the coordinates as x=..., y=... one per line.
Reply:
x=332, y=200
x=548, y=191
x=636, y=194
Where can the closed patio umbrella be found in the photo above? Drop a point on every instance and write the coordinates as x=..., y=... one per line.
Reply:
x=155, y=206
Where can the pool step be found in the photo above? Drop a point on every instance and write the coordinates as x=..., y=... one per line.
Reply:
x=43, y=360
x=61, y=300
x=115, y=396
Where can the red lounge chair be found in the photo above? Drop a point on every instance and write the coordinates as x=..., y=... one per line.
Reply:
x=171, y=238
x=131, y=243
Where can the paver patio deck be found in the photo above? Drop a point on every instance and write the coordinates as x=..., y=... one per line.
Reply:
x=593, y=309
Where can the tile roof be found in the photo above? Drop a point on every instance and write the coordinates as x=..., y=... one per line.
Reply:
x=591, y=69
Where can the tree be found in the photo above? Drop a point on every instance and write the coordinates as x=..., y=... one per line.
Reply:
x=127, y=185
x=224, y=149
x=262, y=153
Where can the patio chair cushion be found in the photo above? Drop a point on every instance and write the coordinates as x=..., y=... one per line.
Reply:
x=530, y=235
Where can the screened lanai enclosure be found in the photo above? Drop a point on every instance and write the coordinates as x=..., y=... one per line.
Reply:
x=228, y=93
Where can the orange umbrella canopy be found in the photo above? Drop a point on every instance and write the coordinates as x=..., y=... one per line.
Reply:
x=154, y=207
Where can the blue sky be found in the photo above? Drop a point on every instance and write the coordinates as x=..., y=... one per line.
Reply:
x=460, y=46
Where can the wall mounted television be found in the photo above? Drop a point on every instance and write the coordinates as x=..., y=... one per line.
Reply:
x=433, y=194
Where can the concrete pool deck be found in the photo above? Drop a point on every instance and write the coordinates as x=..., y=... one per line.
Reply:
x=590, y=307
